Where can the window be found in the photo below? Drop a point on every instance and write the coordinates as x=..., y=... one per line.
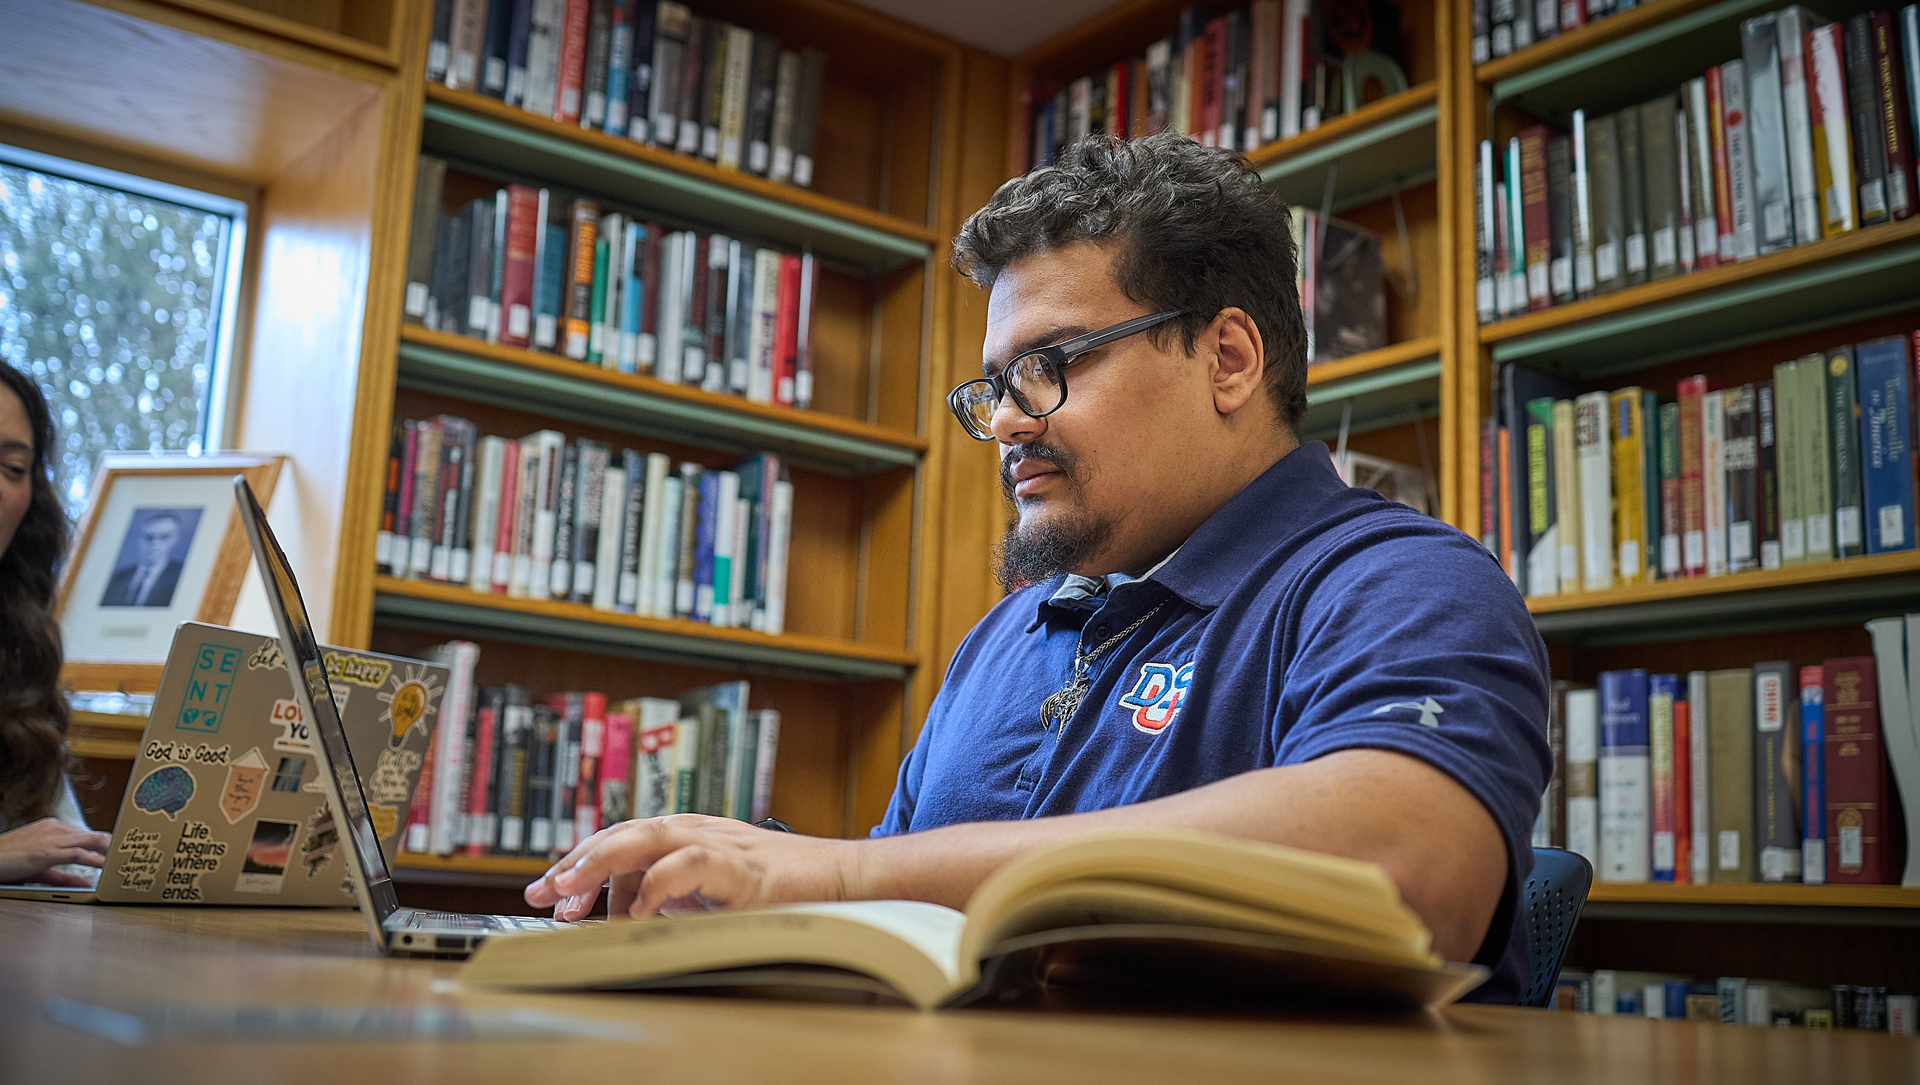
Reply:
x=117, y=294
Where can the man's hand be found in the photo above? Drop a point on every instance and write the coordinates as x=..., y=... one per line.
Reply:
x=688, y=861
x=29, y=853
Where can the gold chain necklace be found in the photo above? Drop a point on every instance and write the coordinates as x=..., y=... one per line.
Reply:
x=1060, y=707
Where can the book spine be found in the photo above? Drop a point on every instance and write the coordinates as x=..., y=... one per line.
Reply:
x=1791, y=27
x=1896, y=122
x=1633, y=195
x=736, y=87
x=1816, y=464
x=586, y=790
x=1560, y=218
x=1536, y=218
x=1910, y=76
x=553, y=273
x=466, y=41
x=460, y=659
x=1566, y=493
x=1746, y=236
x=417, y=836
x=536, y=800
x=518, y=268
x=1627, y=446
x=577, y=301
x=589, y=501
x=597, y=295
x=606, y=553
x=616, y=770
x=705, y=524
x=1813, y=780
x=1863, y=110
x=1843, y=433
x=1583, y=275
x=1543, y=548
x=633, y=518
x=763, y=81
x=1832, y=138
x=666, y=586
x=383, y=546
x=1661, y=161
x=1625, y=788
x=565, y=508
x=571, y=61
x=1885, y=404
x=1596, y=491
x=1722, y=164
x=1766, y=496
x=1766, y=125
x=616, y=80
x=1730, y=748
x=1516, y=232
x=1776, y=772
x=1740, y=450
x=1671, y=566
x=483, y=527
x=1789, y=436
x=506, y=520
x=520, y=752
x=778, y=533
x=1713, y=479
x=1682, y=787
x=428, y=184
x=1706, y=210
x=670, y=26
x=1661, y=690
x=685, y=593
x=426, y=500
x=486, y=720
x=1855, y=774
x=1609, y=268
x=763, y=763
x=806, y=114
x=1699, y=776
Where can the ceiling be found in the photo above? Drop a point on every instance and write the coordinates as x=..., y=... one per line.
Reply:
x=1005, y=27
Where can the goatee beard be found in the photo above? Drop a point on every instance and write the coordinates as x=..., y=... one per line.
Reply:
x=1032, y=553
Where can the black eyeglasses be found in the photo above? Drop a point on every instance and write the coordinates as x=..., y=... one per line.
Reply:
x=1036, y=380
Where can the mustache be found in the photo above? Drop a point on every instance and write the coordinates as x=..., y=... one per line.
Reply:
x=1062, y=461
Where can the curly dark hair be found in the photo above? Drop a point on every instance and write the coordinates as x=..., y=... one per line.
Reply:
x=1197, y=232
x=33, y=711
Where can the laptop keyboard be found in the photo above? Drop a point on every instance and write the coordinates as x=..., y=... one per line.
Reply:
x=416, y=920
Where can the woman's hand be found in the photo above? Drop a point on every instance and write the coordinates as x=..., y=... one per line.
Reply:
x=29, y=853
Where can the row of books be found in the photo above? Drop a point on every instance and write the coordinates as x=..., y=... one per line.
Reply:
x=1597, y=490
x=611, y=289
x=1342, y=282
x=1770, y=773
x=654, y=73
x=542, y=517
x=1808, y=135
x=511, y=775
x=1500, y=27
x=1735, y=1000
x=1238, y=80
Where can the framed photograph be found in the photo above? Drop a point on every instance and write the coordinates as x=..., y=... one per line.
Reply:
x=158, y=545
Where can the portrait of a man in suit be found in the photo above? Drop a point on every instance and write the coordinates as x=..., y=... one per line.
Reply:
x=151, y=557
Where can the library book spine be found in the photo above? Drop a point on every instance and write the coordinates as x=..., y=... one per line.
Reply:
x=1766, y=497
x=507, y=508
x=1583, y=283
x=390, y=500
x=1628, y=448
x=1500, y=20
x=1682, y=786
x=1483, y=294
x=1543, y=540
x=570, y=53
x=1662, y=690
x=1582, y=773
x=1843, y=433
x=460, y=531
x=1776, y=771
x=1896, y=122
x=494, y=70
x=1699, y=776
x=1746, y=235
x=1516, y=227
x=1560, y=218
x=1670, y=501
x=1536, y=219
x=1609, y=269
x=566, y=507
x=1863, y=110
x=1856, y=774
x=1910, y=74
x=484, y=518
x=1813, y=789
x=429, y=182
x=1633, y=194
x=589, y=497
x=1596, y=491
x=550, y=286
x=1722, y=163
x=1660, y=162
x=460, y=659
x=1713, y=478
x=1740, y=449
x=467, y=38
x=1693, y=524
x=577, y=300
x=1730, y=751
x=626, y=593
x=1789, y=429
x=1832, y=136
x=425, y=456
x=806, y=114
x=1625, y=787
x=518, y=268
x=1886, y=443
x=1700, y=187
x=1573, y=15
x=487, y=719
x=1480, y=31
x=1766, y=125
x=1791, y=26
x=1566, y=493
x=1683, y=173
x=1816, y=461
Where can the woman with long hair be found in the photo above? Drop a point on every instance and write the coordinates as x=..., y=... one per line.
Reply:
x=40, y=823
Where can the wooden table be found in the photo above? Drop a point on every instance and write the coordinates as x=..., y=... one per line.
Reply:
x=235, y=994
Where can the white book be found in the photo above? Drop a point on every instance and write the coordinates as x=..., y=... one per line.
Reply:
x=1483, y=296
x=715, y=598
x=655, y=496
x=768, y=749
x=1897, y=721
x=486, y=510
x=551, y=446
x=1596, y=490
x=1706, y=221
x=655, y=757
x=669, y=321
x=1626, y=807
x=736, y=86
x=666, y=587
x=526, y=512
x=781, y=526
x=1733, y=86
x=1827, y=69
x=1790, y=30
x=739, y=607
x=693, y=349
x=1583, y=761
x=766, y=308
x=1583, y=275
x=1698, y=780
x=445, y=819
x=613, y=517
x=543, y=56
x=1293, y=27
x=1713, y=479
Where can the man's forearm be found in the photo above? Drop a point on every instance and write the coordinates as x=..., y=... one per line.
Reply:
x=1433, y=838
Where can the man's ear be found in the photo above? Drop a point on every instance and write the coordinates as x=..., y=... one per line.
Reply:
x=1239, y=366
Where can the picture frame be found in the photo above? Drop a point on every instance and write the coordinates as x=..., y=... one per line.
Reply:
x=160, y=543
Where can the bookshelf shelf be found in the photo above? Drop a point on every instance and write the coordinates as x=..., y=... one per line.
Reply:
x=1883, y=906
x=1564, y=49
x=1861, y=274
x=474, y=130
x=1386, y=387
x=1795, y=597
x=1381, y=146
x=562, y=388
x=375, y=20
x=460, y=611
x=504, y=869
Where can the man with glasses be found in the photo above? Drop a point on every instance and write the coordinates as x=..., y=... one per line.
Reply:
x=1204, y=628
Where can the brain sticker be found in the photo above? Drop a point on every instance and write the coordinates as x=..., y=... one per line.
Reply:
x=164, y=791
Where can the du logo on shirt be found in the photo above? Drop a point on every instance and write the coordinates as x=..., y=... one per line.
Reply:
x=1156, y=697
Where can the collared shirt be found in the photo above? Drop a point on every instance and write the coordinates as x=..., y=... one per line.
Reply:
x=1303, y=617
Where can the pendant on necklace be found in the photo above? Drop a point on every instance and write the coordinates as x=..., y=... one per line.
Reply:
x=1060, y=707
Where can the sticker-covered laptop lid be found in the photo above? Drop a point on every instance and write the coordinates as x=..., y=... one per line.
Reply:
x=224, y=804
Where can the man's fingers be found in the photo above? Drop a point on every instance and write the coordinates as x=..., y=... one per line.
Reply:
x=626, y=848
x=78, y=856
x=60, y=878
x=719, y=876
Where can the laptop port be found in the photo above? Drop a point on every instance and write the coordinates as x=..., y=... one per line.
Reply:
x=449, y=942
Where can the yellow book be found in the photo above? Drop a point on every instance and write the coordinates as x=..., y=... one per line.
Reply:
x=1628, y=442
x=1158, y=911
x=1566, y=493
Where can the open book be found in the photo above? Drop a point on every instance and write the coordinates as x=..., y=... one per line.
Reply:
x=1162, y=907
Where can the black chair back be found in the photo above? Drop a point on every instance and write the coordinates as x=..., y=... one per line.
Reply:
x=1553, y=897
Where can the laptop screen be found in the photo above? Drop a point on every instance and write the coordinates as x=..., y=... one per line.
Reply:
x=302, y=654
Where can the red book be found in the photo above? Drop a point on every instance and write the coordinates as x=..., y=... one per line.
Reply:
x=1682, y=790
x=1216, y=75
x=786, y=327
x=1722, y=170
x=1856, y=774
x=1573, y=15
x=1890, y=83
x=476, y=795
x=593, y=730
x=650, y=300
x=573, y=63
x=1535, y=221
x=414, y=838
x=1693, y=500
x=1118, y=98
x=517, y=272
x=616, y=771
x=504, y=533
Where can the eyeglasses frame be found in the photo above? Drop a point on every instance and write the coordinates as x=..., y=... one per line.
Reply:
x=1059, y=357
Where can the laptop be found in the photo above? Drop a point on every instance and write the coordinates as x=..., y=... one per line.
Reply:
x=393, y=929
x=223, y=803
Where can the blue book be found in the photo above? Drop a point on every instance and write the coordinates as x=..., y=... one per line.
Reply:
x=517, y=37
x=1676, y=999
x=1886, y=442
x=632, y=359
x=703, y=546
x=1626, y=808
x=546, y=288
x=619, y=60
x=1813, y=778
x=1663, y=690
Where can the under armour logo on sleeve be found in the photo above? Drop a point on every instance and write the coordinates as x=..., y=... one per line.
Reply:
x=1428, y=709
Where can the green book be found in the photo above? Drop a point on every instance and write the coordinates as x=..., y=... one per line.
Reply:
x=1787, y=426
x=1650, y=524
x=1816, y=458
x=1543, y=560
x=1668, y=434
x=597, y=337
x=1843, y=430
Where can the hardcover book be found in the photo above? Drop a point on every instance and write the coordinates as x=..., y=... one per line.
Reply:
x=1583, y=774
x=1660, y=160
x=1776, y=771
x=1730, y=731
x=1886, y=437
x=1791, y=25
x=1633, y=195
x=1856, y=775
x=1813, y=788
x=1844, y=431
x=1625, y=788
x=1766, y=126
x=1740, y=449
x=1832, y=136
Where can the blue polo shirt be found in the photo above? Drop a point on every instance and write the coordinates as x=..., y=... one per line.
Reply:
x=1303, y=617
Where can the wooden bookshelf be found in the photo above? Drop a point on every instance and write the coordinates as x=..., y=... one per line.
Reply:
x=1758, y=895
x=1380, y=147
x=366, y=29
x=1386, y=387
x=516, y=868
